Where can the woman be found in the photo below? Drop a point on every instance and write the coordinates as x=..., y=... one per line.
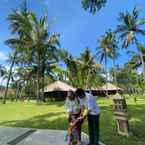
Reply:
x=73, y=108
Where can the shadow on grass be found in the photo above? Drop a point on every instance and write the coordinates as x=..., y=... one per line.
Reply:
x=45, y=121
x=57, y=103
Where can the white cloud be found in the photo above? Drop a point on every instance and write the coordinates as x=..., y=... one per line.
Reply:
x=2, y=56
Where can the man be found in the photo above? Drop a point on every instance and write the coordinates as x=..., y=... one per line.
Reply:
x=88, y=101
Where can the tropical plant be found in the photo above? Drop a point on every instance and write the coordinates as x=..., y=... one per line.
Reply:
x=83, y=71
x=130, y=27
x=45, y=48
x=90, y=69
x=93, y=5
x=18, y=22
x=34, y=44
x=126, y=77
x=107, y=49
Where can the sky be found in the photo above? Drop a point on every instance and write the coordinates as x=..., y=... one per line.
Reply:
x=78, y=28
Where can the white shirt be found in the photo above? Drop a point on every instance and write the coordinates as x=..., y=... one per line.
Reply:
x=90, y=102
x=72, y=106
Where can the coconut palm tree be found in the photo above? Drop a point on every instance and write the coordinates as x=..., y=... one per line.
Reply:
x=129, y=29
x=89, y=67
x=18, y=23
x=9, y=76
x=107, y=49
x=73, y=71
x=135, y=61
x=34, y=41
x=82, y=71
x=93, y=5
x=45, y=47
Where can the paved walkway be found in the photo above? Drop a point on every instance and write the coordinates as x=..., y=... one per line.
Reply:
x=25, y=136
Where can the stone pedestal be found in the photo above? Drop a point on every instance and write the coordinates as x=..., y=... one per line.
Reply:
x=120, y=113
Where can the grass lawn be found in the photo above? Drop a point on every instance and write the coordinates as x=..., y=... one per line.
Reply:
x=52, y=116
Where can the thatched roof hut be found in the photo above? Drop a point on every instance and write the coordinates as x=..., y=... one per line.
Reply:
x=57, y=90
x=58, y=86
x=110, y=87
x=107, y=88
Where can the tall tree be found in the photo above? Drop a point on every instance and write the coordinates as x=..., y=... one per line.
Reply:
x=34, y=43
x=89, y=68
x=107, y=49
x=45, y=48
x=130, y=27
x=18, y=22
x=82, y=71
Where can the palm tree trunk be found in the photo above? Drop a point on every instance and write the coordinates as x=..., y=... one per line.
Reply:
x=42, y=90
x=106, y=75
x=17, y=91
x=114, y=75
x=9, y=77
x=38, y=86
x=38, y=79
x=43, y=78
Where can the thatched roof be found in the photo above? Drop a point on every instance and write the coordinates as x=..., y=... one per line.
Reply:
x=109, y=87
x=58, y=86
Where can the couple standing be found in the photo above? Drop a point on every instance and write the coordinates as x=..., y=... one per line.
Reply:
x=80, y=105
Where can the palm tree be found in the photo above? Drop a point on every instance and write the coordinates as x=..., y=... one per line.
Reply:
x=45, y=47
x=9, y=76
x=114, y=54
x=89, y=67
x=82, y=71
x=135, y=61
x=73, y=70
x=60, y=73
x=129, y=29
x=18, y=23
x=107, y=49
x=34, y=42
x=93, y=5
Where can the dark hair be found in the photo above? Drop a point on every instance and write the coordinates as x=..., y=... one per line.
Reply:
x=80, y=92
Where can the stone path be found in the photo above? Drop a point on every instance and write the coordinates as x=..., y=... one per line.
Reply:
x=25, y=136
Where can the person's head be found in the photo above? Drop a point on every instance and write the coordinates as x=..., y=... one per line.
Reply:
x=80, y=93
x=71, y=95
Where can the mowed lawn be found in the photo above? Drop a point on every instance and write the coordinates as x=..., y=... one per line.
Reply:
x=52, y=116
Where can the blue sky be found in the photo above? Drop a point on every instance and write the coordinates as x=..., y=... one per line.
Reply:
x=78, y=28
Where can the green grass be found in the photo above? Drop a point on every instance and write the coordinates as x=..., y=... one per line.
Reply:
x=52, y=116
